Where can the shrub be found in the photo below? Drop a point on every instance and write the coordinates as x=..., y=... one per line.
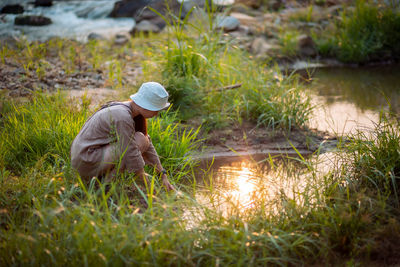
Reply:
x=369, y=32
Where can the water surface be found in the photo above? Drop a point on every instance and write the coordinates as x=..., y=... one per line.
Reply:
x=71, y=19
x=347, y=100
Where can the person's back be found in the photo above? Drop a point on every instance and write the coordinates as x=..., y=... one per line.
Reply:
x=108, y=142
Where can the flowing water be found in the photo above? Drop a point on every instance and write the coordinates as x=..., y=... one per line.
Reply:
x=71, y=19
x=347, y=100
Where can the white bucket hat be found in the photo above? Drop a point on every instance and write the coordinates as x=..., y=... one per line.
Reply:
x=151, y=96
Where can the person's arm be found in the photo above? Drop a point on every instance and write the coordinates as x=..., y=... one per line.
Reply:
x=164, y=178
x=142, y=176
x=151, y=157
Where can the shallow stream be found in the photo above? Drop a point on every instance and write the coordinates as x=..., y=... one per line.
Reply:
x=70, y=19
x=346, y=100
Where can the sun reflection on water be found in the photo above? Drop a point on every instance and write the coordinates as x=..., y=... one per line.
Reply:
x=229, y=187
x=239, y=183
x=233, y=184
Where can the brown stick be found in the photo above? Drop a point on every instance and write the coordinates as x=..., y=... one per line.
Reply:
x=229, y=87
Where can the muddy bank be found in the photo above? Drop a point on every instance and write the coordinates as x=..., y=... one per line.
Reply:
x=249, y=141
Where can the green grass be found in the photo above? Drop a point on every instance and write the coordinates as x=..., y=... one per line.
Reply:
x=40, y=130
x=197, y=61
x=376, y=159
x=369, y=32
x=49, y=216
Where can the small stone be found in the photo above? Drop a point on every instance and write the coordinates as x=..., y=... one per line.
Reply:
x=244, y=19
x=250, y=3
x=121, y=40
x=145, y=27
x=227, y=24
x=19, y=71
x=223, y=2
x=95, y=36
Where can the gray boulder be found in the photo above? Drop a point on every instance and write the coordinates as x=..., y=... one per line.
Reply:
x=145, y=27
x=32, y=20
x=128, y=8
x=139, y=9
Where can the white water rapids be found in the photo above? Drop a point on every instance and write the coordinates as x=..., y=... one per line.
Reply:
x=71, y=19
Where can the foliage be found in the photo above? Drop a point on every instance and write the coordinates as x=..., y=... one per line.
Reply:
x=43, y=129
x=40, y=130
x=49, y=216
x=375, y=158
x=197, y=66
x=367, y=33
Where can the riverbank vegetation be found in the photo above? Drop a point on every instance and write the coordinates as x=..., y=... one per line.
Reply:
x=356, y=32
x=368, y=32
x=49, y=216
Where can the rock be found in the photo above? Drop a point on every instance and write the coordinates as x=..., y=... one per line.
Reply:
x=261, y=47
x=306, y=46
x=161, y=7
x=241, y=37
x=244, y=19
x=158, y=21
x=228, y=23
x=95, y=36
x=139, y=11
x=243, y=30
x=46, y=3
x=12, y=9
x=32, y=20
x=223, y=3
x=145, y=27
x=251, y=3
x=120, y=39
x=19, y=71
x=127, y=8
x=240, y=8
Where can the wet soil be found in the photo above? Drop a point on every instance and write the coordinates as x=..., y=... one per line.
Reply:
x=249, y=140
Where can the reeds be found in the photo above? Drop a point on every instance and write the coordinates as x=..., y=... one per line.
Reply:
x=368, y=33
x=49, y=216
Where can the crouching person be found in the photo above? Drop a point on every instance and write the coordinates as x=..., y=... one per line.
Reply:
x=114, y=139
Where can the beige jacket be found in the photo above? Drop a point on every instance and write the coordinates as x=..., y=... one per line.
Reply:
x=110, y=125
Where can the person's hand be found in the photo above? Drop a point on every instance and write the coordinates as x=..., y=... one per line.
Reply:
x=166, y=183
